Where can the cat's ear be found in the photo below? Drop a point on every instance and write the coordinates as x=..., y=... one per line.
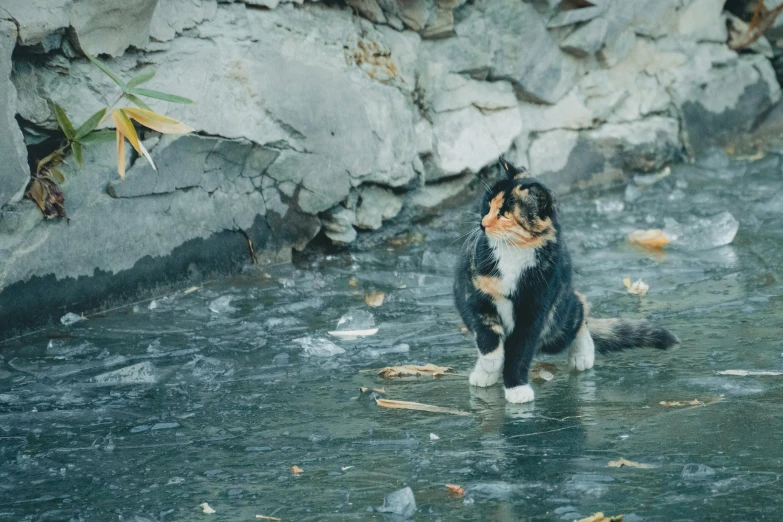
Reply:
x=545, y=200
x=510, y=170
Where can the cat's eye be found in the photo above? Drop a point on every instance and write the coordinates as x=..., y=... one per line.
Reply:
x=505, y=215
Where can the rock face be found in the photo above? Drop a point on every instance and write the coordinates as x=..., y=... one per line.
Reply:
x=315, y=117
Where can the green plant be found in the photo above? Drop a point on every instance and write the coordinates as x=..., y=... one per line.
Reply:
x=43, y=188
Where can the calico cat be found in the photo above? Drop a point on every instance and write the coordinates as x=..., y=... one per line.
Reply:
x=514, y=292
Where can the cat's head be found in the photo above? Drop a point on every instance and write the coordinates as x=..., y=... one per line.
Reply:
x=519, y=210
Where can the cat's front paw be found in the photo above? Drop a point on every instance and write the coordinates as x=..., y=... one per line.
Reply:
x=482, y=378
x=580, y=362
x=520, y=394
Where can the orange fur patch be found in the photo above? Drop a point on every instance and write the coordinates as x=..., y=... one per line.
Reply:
x=489, y=285
x=494, y=207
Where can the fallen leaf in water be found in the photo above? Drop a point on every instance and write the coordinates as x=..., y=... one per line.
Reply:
x=619, y=463
x=464, y=329
x=455, y=490
x=365, y=389
x=264, y=517
x=191, y=290
x=412, y=369
x=637, y=288
x=374, y=299
x=296, y=469
x=599, y=517
x=543, y=371
x=434, y=437
x=346, y=468
x=206, y=508
x=353, y=282
x=694, y=402
x=652, y=238
x=350, y=335
x=405, y=405
x=746, y=373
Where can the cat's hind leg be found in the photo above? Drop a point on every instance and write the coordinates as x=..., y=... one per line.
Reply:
x=489, y=366
x=581, y=353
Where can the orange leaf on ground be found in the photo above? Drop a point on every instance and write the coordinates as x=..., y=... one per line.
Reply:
x=413, y=370
x=456, y=490
x=405, y=405
x=652, y=238
x=600, y=517
x=374, y=299
x=296, y=469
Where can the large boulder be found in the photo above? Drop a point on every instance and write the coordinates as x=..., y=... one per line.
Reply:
x=14, y=173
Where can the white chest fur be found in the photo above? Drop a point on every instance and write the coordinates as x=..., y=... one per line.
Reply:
x=512, y=262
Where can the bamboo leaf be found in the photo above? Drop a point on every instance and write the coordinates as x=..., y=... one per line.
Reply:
x=36, y=193
x=125, y=127
x=157, y=122
x=389, y=403
x=57, y=174
x=101, y=136
x=138, y=101
x=141, y=78
x=108, y=72
x=146, y=154
x=161, y=96
x=63, y=121
x=89, y=125
x=120, y=154
x=76, y=147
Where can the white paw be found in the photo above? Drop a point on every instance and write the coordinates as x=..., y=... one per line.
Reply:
x=482, y=378
x=520, y=394
x=580, y=362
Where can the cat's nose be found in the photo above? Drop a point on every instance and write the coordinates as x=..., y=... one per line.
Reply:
x=487, y=221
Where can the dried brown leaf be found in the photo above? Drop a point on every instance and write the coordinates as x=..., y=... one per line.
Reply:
x=405, y=405
x=374, y=299
x=652, y=238
x=543, y=371
x=353, y=282
x=620, y=463
x=365, y=389
x=694, y=402
x=296, y=470
x=413, y=370
x=455, y=490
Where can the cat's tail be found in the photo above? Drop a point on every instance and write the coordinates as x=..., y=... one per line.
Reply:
x=614, y=335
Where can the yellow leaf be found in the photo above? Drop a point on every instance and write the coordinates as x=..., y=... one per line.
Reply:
x=375, y=299
x=619, y=463
x=405, y=405
x=599, y=517
x=120, y=154
x=157, y=122
x=125, y=127
x=296, y=469
x=412, y=370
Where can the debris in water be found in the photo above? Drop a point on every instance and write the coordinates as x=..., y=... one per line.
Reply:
x=412, y=369
x=610, y=206
x=694, y=402
x=70, y=318
x=544, y=371
x=639, y=287
x=264, y=517
x=434, y=437
x=353, y=282
x=599, y=517
x=645, y=180
x=296, y=470
x=356, y=323
x=746, y=373
x=191, y=290
x=401, y=502
x=222, y=305
x=374, y=299
x=405, y=405
x=622, y=463
x=703, y=233
x=346, y=468
x=455, y=490
x=651, y=238
x=206, y=508
x=365, y=389
x=318, y=347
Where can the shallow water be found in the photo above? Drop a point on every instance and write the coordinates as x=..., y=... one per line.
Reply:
x=149, y=411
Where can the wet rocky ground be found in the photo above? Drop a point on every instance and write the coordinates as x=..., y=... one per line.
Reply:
x=213, y=394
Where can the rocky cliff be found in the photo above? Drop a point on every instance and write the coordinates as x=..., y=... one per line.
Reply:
x=336, y=117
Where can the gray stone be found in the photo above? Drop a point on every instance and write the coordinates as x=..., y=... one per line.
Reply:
x=436, y=194
x=111, y=26
x=338, y=223
x=574, y=16
x=588, y=39
x=616, y=50
x=703, y=20
x=401, y=502
x=172, y=17
x=368, y=9
x=483, y=95
x=37, y=19
x=14, y=172
x=321, y=183
x=376, y=205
